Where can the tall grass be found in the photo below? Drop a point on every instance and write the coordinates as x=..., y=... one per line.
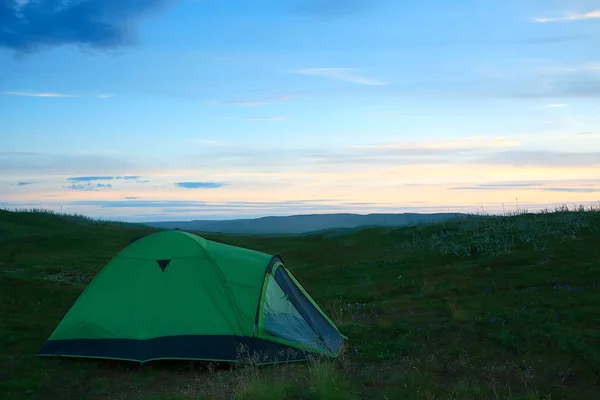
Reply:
x=497, y=235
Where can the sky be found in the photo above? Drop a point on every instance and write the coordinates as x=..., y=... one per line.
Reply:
x=146, y=110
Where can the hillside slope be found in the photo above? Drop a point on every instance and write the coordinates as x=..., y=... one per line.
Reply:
x=302, y=224
x=495, y=308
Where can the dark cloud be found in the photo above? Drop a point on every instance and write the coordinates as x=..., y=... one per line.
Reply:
x=199, y=185
x=42, y=24
x=88, y=187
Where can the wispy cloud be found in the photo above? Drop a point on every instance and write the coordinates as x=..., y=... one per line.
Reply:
x=570, y=17
x=351, y=75
x=199, y=185
x=303, y=161
x=572, y=190
x=526, y=186
x=132, y=197
x=38, y=94
x=262, y=207
x=474, y=142
x=90, y=178
x=498, y=186
x=35, y=25
x=52, y=94
x=24, y=183
x=88, y=186
x=554, y=159
x=254, y=102
x=136, y=178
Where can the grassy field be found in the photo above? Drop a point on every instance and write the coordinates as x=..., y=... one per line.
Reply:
x=483, y=308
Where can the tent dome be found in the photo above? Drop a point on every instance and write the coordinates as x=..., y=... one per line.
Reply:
x=176, y=295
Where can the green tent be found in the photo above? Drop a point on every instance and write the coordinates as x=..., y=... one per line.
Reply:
x=175, y=295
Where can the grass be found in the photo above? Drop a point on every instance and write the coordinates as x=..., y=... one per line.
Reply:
x=501, y=307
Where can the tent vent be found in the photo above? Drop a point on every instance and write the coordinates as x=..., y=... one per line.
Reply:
x=163, y=264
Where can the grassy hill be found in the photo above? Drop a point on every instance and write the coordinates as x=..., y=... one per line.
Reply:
x=492, y=308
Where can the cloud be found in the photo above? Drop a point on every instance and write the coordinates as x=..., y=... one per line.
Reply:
x=553, y=159
x=199, y=185
x=527, y=186
x=259, y=207
x=51, y=94
x=195, y=204
x=570, y=17
x=127, y=178
x=24, y=183
x=30, y=163
x=498, y=186
x=255, y=102
x=37, y=94
x=460, y=144
x=572, y=190
x=89, y=167
x=35, y=25
x=305, y=160
x=88, y=187
x=90, y=178
x=550, y=82
x=350, y=75
x=132, y=197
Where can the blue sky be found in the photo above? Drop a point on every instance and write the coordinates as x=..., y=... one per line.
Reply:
x=222, y=109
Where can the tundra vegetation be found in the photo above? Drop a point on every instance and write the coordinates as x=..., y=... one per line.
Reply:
x=481, y=307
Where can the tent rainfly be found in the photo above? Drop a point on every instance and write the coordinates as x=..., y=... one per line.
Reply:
x=175, y=295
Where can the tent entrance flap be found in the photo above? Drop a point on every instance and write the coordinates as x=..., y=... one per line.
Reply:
x=282, y=319
x=290, y=315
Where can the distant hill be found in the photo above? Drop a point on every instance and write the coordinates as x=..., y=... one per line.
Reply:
x=300, y=224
